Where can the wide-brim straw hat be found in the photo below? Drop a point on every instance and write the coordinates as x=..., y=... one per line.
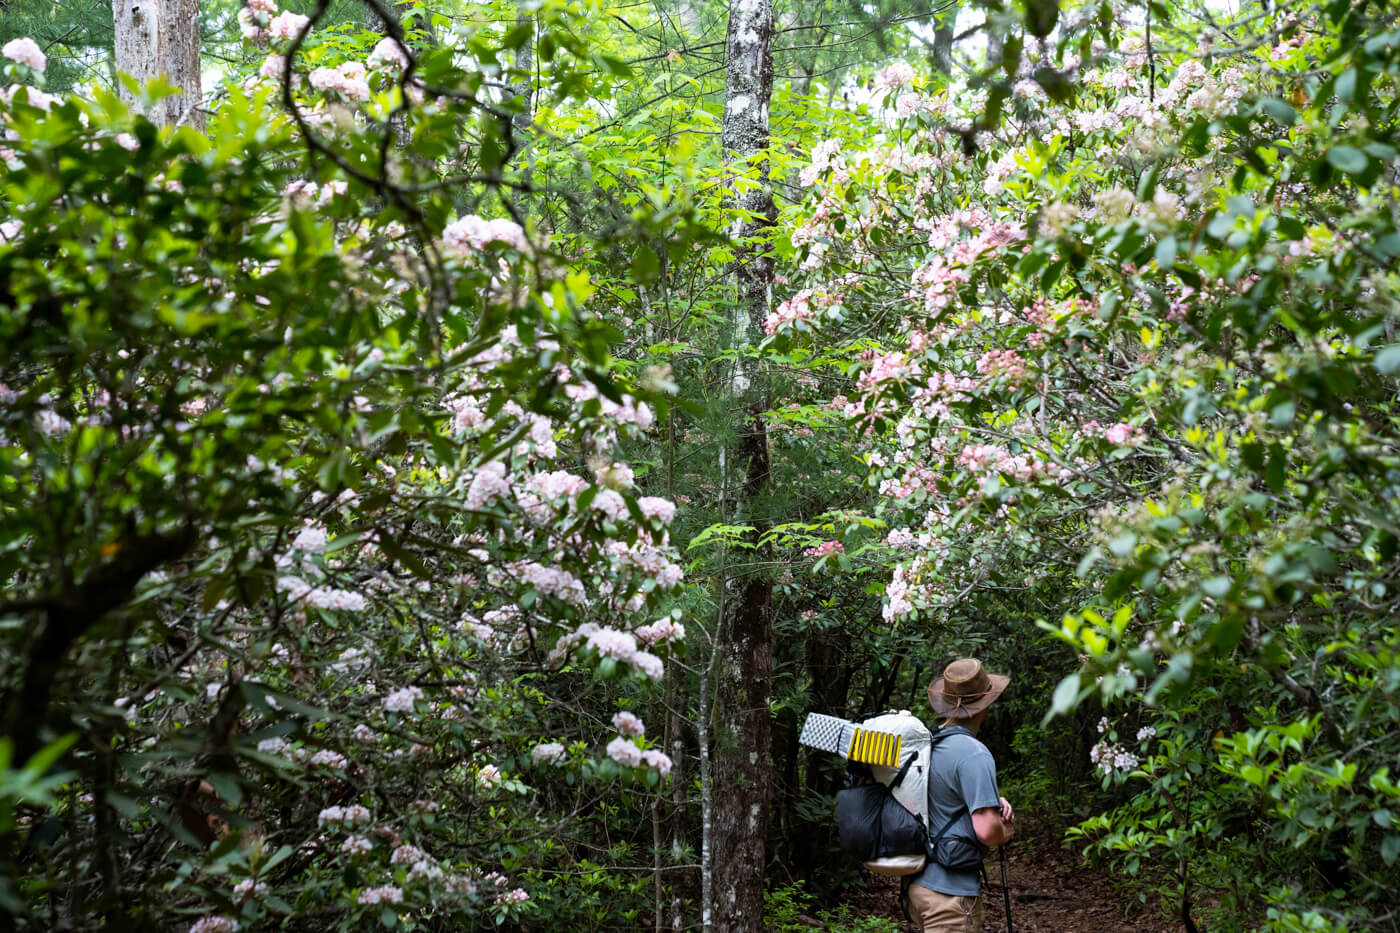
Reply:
x=965, y=689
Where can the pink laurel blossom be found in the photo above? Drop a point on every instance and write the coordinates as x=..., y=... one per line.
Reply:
x=25, y=51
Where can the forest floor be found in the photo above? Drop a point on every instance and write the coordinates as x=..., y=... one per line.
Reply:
x=1051, y=892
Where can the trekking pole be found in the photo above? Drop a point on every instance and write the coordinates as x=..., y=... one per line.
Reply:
x=1005, y=891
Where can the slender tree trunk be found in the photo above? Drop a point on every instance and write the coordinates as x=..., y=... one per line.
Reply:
x=522, y=86
x=743, y=675
x=827, y=664
x=943, y=39
x=707, y=803
x=805, y=61
x=161, y=37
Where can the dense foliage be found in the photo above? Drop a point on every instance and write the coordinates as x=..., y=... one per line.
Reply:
x=306, y=491
x=1137, y=357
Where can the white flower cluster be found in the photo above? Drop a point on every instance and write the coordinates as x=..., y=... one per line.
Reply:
x=552, y=581
x=1109, y=758
x=348, y=79
x=406, y=854
x=547, y=753
x=381, y=895
x=51, y=422
x=311, y=539
x=611, y=504
x=388, y=55
x=615, y=476
x=473, y=233
x=626, y=753
x=610, y=643
x=356, y=845
x=214, y=925
x=279, y=746
x=257, y=24
x=304, y=193
x=25, y=51
x=350, y=659
x=321, y=597
x=328, y=759
x=897, y=75
x=248, y=889
x=628, y=724
x=655, y=507
x=343, y=816
x=662, y=631
x=488, y=485
x=401, y=701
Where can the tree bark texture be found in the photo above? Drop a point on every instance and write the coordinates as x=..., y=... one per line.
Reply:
x=943, y=33
x=161, y=37
x=743, y=682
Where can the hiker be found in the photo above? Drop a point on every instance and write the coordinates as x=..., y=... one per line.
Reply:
x=963, y=774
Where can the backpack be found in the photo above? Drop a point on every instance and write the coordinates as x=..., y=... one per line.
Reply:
x=874, y=827
x=883, y=808
x=881, y=813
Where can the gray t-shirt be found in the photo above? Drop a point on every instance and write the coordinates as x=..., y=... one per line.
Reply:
x=962, y=773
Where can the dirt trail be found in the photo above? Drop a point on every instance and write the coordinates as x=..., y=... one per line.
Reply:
x=1050, y=893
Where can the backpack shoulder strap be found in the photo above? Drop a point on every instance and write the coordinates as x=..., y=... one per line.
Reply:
x=938, y=736
x=947, y=826
x=899, y=778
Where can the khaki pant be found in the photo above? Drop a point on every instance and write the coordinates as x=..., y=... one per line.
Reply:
x=944, y=913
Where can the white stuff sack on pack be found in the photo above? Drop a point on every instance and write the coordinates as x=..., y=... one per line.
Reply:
x=885, y=743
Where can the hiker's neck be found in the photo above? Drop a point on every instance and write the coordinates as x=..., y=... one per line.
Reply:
x=971, y=725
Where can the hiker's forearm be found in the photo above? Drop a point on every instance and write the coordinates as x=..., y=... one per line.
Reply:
x=991, y=827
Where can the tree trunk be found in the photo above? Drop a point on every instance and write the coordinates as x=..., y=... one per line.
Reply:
x=828, y=677
x=742, y=685
x=161, y=37
x=805, y=61
x=947, y=21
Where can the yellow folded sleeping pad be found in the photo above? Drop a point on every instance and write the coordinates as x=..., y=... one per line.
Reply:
x=883, y=740
x=876, y=748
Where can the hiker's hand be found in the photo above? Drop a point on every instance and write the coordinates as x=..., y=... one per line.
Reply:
x=1006, y=812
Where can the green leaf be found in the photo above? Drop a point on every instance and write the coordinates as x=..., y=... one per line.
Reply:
x=1041, y=17
x=1388, y=360
x=1216, y=587
x=1279, y=110
x=277, y=858
x=645, y=265
x=1347, y=159
x=1166, y=252
x=1011, y=55
x=1275, y=474
x=1345, y=87
x=126, y=806
x=1122, y=545
x=1066, y=696
x=226, y=786
x=1390, y=848
x=46, y=757
x=1055, y=83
